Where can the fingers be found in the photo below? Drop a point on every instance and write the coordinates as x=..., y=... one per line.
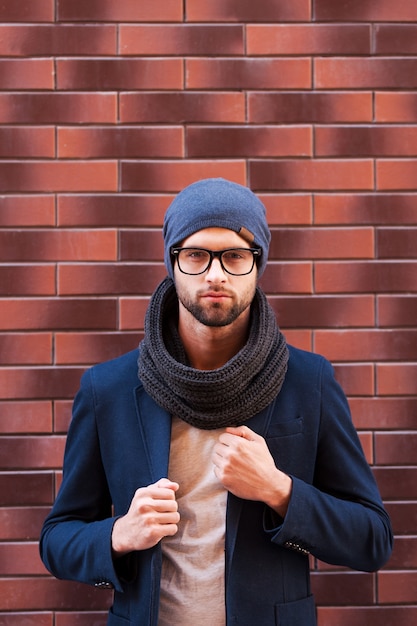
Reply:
x=242, y=431
x=167, y=484
x=152, y=515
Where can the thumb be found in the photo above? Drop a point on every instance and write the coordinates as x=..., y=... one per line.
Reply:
x=242, y=431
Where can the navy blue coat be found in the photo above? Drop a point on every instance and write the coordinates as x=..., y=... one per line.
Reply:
x=119, y=441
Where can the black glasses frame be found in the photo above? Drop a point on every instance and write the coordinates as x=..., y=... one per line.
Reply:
x=217, y=254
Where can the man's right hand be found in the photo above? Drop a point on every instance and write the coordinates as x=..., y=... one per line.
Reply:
x=152, y=515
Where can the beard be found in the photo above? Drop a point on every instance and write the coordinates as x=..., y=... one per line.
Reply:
x=214, y=315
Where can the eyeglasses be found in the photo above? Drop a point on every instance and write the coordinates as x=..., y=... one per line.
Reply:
x=235, y=261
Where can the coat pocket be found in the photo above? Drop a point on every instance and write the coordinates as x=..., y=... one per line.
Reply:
x=116, y=620
x=298, y=613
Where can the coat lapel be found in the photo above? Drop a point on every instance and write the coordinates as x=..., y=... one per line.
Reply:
x=155, y=425
x=259, y=423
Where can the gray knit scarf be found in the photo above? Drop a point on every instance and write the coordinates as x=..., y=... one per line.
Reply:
x=210, y=399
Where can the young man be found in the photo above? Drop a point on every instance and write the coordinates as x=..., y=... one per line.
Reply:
x=227, y=455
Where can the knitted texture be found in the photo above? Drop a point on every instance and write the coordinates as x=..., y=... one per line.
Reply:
x=209, y=399
x=216, y=203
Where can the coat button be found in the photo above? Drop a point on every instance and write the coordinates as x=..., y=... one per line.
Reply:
x=103, y=584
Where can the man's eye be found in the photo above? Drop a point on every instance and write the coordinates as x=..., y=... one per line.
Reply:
x=197, y=255
x=234, y=255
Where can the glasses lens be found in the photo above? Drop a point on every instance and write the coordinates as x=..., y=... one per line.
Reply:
x=193, y=260
x=235, y=261
x=238, y=261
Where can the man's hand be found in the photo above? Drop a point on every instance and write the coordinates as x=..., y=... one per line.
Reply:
x=245, y=467
x=153, y=514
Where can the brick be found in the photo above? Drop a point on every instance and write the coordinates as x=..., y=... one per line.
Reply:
x=341, y=588
x=25, y=489
x=25, y=348
x=393, y=39
x=397, y=587
x=58, y=176
x=397, y=379
x=132, y=313
x=364, y=616
x=141, y=245
x=395, y=448
x=26, y=74
x=28, y=452
x=369, y=276
x=364, y=73
x=54, y=39
x=41, y=383
x=248, y=73
x=397, y=483
x=107, y=279
x=355, y=10
x=122, y=11
x=313, y=243
x=356, y=379
x=314, y=107
x=289, y=278
x=299, y=338
x=62, y=415
x=58, y=108
x=58, y=245
x=367, y=446
x=29, y=142
x=90, y=348
x=311, y=174
x=384, y=413
x=21, y=211
x=54, y=314
x=403, y=516
x=23, y=280
x=288, y=208
x=42, y=593
x=27, y=619
x=365, y=141
x=397, y=310
x=365, y=208
x=126, y=142
x=172, y=176
x=28, y=11
x=113, y=210
x=25, y=417
x=181, y=40
x=119, y=74
x=247, y=11
x=180, y=107
x=315, y=39
x=405, y=554
x=241, y=141
x=396, y=174
x=20, y=559
x=22, y=523
x=366, y=345
x=323, y=312
x=396, y=243
x=396, y=107
x=81, y=619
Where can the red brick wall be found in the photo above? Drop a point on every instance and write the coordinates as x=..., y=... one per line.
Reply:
x=107, y=109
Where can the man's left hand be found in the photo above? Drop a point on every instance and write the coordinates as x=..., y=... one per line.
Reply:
x=245, y=467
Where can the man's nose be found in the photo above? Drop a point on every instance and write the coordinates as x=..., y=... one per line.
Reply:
x=215, y=271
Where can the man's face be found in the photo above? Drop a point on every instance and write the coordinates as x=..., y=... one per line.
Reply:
x=215, y=298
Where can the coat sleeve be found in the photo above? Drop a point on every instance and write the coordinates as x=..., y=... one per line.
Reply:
x=75, y=542
x=339, y=518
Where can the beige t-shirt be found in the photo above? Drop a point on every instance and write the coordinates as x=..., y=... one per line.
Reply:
x=192, y=583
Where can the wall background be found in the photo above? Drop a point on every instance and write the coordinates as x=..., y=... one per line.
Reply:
x=107, y=109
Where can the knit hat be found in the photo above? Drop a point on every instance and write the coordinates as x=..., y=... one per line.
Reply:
x=216, y=203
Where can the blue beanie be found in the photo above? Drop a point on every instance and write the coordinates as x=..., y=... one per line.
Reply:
x=216, y=203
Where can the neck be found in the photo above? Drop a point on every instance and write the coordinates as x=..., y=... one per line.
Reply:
x=208, y=347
